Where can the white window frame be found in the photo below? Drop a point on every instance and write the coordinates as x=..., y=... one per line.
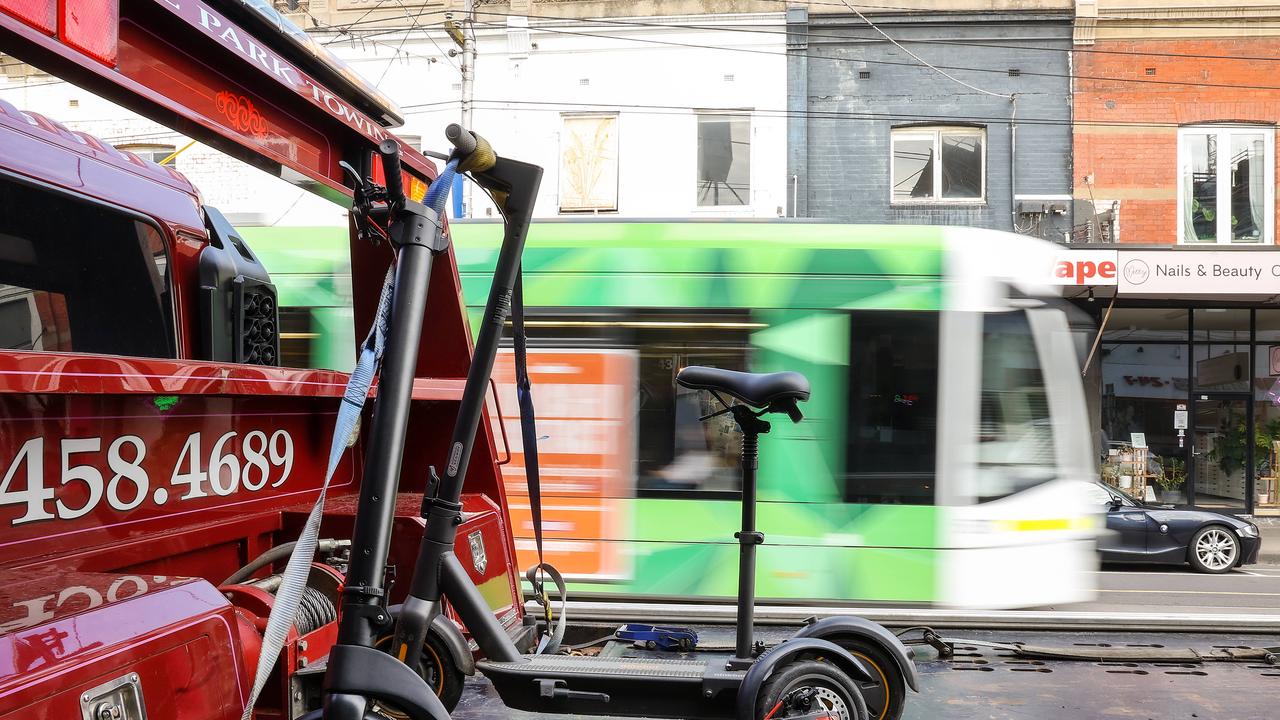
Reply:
x=1224, y=133
x=935, y=133
x=751, y=161
x=587, y=209
x=149, y=151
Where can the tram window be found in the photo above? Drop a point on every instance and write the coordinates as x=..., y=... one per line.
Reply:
x=893, y=406
x=1015, y=430
x=297, y=338
x=80, y=277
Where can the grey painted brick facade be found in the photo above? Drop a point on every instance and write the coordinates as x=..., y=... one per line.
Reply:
x=840, y=123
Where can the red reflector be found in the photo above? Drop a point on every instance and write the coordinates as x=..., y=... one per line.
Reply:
x=37, y=13
x=91, y=26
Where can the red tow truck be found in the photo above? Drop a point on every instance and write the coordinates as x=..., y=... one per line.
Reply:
x=151, y=449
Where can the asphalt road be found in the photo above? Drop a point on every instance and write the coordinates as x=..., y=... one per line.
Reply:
x=1254, y=589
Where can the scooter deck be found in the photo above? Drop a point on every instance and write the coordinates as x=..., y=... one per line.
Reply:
x=610, y=684
x=582, y=666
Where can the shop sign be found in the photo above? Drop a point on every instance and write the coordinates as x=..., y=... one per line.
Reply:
x=1199, y=273
x=1084, y=267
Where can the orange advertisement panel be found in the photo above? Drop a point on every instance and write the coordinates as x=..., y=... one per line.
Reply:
x=585, y=404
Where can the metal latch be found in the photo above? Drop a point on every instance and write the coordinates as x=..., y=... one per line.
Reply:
x=119, y=699
x=557, y=690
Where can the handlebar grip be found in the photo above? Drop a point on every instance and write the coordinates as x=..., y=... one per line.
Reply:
x=461, y=138
x=390, y=152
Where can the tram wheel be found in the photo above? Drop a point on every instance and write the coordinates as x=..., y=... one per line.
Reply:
x=810, y=690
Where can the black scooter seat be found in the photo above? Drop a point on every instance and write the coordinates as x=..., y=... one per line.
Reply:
x=755, y=389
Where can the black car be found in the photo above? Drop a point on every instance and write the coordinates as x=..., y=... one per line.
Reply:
x=1142, y=533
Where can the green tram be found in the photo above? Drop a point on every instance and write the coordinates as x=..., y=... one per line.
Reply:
x=943, y=448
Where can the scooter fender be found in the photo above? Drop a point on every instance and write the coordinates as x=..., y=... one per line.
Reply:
x=364, y=673
x=833, y=627
x=452, y=638
x=787, y=650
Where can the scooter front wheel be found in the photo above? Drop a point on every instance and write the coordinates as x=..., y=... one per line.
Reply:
x=437, y=667
x=810, y=690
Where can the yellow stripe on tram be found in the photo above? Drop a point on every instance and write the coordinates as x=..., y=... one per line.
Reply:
x=1045, y=524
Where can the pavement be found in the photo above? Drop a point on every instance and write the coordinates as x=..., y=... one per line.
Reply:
x=990, y=683
x=1250, y=590
x=1269, y=528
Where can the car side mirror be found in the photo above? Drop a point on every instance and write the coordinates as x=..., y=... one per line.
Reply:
x=1115, y=503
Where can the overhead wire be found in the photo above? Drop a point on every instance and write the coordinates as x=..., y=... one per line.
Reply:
x=812, y=56
x=1026, y=45
x=853, y=115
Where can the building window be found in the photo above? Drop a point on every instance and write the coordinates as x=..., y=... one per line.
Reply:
x=154, y=153
x=1225, y=199
x=589, y=163
x=724, y=160
x=938, y=164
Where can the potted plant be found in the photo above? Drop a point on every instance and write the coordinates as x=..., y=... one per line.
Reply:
x=1172, y=481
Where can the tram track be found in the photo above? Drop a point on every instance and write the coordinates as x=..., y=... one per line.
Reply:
x=899, y=617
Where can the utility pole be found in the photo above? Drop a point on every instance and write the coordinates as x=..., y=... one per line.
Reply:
x=468, y=83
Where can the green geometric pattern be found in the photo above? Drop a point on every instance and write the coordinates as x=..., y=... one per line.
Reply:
x=797, y=279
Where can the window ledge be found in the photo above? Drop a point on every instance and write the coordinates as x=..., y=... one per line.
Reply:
x=942, y=204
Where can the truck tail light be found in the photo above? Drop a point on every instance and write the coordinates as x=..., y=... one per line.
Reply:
x=40, y=14
x=91, y=26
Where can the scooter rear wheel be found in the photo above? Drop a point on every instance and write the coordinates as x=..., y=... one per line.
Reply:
x=810, y=690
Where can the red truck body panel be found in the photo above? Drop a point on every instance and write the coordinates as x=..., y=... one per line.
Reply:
x=201, y=466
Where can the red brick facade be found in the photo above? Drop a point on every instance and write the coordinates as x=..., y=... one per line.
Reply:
x=1126, y=133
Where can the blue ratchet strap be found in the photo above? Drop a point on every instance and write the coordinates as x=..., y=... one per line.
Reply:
x=345, y=433
x=549, y=643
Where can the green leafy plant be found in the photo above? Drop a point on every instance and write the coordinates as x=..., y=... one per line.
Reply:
x=1174, y=475
x=1231, y=449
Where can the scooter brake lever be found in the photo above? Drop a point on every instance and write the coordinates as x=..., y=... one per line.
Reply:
x=356, y=180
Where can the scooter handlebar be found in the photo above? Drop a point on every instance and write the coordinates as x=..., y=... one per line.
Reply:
x=462, y=139
x=390, y=152
x=475, y=152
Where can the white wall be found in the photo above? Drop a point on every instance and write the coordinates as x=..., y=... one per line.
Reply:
x=519, y=106
x=520, y=101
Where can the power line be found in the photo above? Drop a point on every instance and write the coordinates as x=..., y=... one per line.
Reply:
x=1005, y=71
x=820, y=36
x=922, y=61
x=850, y=115
x=640, y=23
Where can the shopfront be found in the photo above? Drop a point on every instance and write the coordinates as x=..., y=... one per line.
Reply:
x=1186, y=373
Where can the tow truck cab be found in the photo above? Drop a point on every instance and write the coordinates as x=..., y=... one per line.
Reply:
x=151, y=445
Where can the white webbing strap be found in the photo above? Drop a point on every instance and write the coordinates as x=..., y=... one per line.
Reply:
x=345, y=433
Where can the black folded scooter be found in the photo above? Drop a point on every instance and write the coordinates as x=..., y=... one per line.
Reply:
x=844, y=668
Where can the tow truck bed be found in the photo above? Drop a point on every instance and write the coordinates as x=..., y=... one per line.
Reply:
x=993, y=684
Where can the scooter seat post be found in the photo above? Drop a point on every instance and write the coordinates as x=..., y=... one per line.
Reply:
x=748, y=537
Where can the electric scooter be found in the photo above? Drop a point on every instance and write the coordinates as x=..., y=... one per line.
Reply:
x=839, y=667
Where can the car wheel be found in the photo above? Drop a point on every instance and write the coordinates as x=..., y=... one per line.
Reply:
x=1214, y=549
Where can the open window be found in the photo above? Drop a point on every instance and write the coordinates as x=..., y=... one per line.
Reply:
x=939, y=164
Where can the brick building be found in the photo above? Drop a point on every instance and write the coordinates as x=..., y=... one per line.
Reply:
x=1175, y=108
x=982, y=139
x=1175, y=112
